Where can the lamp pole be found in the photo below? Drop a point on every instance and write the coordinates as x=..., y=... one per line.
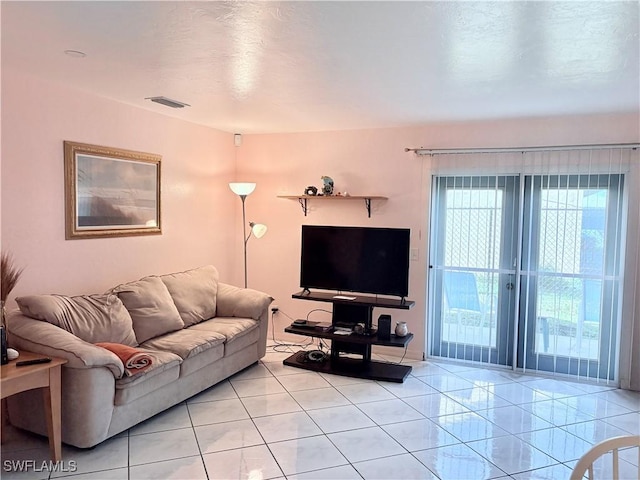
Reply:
x=243, y=189
x=244, y=238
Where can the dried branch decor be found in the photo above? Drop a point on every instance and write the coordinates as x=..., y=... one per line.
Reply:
x=9, y=276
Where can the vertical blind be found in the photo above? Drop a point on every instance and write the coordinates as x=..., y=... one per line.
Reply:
x=527, y=255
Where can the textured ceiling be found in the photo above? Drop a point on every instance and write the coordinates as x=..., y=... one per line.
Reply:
x=263, y=67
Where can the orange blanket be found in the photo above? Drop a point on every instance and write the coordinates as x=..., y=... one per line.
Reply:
x=134, y=360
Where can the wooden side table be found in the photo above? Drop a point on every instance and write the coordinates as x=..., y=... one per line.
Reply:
x=43, y=375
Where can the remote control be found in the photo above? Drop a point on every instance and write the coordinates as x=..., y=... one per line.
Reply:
x=35, y=361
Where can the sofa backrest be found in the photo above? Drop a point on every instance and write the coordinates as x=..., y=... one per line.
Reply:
x=194, y=293
x=92, y=318
x=133, y=312
x=150, y=306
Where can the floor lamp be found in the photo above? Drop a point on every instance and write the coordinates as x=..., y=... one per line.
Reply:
x=244, y=189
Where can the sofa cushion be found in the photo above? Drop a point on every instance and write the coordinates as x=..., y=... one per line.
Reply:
x=150, y=306
x=92, y=318
x=186, y=342
x=205, y=359
x=164, y=369
x=198, y=349
x=238, y=332
x=194, y=293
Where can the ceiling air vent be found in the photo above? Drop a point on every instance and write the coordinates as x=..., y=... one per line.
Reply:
x=168, y=102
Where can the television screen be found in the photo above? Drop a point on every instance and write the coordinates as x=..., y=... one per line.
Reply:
x=355, y=259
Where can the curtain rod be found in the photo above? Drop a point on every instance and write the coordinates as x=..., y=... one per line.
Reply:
x=456, y=151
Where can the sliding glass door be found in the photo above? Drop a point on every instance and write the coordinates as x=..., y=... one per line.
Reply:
x=473, y=253
x=553, y=295
x=571, y=274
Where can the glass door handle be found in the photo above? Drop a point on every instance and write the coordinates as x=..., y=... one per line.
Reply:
x=509, y=286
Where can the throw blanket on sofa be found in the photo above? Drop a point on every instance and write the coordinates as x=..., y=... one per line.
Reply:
x=134, y=360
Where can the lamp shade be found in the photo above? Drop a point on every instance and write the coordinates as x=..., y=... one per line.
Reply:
x=258, y=229
x=242, y=188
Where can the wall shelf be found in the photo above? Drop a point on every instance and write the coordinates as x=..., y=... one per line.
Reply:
x=302, y=199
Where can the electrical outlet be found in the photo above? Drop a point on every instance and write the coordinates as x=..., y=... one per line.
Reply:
x=415, y=254
x=274, y=309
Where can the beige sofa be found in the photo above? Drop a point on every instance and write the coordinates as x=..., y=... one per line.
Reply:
x=197, y=330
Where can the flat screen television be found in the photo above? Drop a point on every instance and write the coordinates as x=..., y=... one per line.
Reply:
x=355, y=259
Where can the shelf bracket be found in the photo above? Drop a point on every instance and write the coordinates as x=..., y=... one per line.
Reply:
x=303, y=204
x=367, y=204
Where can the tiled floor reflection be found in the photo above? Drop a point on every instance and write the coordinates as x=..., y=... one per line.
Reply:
x=447, y=421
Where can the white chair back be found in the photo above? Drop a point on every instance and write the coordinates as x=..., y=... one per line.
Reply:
x=613, y=445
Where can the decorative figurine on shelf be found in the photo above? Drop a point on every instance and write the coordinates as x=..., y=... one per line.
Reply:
x=327, y=188
x=311, y=191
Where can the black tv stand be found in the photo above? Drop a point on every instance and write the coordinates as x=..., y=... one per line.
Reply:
x=353, y=310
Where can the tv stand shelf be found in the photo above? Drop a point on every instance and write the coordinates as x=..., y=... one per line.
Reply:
x=302, y=199
x=364, y=300
x=352, y=312
x=352, y=367
x=393, y=341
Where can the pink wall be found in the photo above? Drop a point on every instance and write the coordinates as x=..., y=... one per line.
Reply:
x=199, y=212
x=201, y=217
x=373, y=162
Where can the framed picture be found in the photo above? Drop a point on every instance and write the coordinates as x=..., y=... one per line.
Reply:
x=110, y=192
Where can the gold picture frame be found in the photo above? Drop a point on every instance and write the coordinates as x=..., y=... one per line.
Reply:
x=110, y=192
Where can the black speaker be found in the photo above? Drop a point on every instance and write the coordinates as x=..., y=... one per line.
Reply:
x=4, y=359
x=384, y=327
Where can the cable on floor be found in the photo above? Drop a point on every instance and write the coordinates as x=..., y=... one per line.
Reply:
x=279, y=346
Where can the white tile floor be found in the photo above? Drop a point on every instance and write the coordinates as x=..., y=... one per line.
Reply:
x=446, y=421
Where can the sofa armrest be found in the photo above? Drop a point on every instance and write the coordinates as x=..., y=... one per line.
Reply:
x=233, y=301
x=42, y=337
